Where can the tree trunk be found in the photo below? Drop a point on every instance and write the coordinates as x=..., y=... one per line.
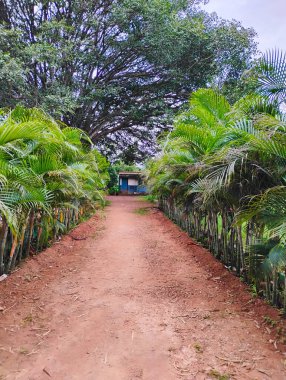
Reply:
x=4, y=233
x=31, y=230
x=240, y=250
x=22, y=238
x=275, y=280
x=12, y=253
x=284, y=300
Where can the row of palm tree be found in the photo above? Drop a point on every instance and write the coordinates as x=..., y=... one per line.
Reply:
x=221, y=175
x=50, y=178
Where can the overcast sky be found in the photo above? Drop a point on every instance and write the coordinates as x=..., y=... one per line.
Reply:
x=267, y=17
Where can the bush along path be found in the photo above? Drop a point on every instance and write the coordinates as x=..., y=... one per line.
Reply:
x=51, y=178
x=128, y=295
x=221, y=176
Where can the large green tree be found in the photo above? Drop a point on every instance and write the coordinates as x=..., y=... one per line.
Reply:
x=117, y=69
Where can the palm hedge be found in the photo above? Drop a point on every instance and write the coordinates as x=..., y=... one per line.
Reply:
x=50, y=178
x=221, y=176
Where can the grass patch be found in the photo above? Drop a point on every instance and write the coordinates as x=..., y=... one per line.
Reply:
x=107, y=202
x=216, y=375
x=142, y=211
x=23, y=351
x=198, y=348
x=28, y=319
x=149, y=198
x=270, y=321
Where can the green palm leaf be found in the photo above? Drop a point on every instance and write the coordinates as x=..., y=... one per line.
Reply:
x=272, y=78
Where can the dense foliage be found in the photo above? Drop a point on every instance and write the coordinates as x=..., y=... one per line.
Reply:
x=221, y=175
x=50, y=177
x=117, y=69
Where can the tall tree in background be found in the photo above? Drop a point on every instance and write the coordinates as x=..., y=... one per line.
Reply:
x=117, y=69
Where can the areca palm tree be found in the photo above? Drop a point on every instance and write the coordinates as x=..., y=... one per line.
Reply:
x=48, y=172
x=212, y=175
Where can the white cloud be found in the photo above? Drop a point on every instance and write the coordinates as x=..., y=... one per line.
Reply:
x=265, y=16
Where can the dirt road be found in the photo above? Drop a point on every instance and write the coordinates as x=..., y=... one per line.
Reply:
x=129, y=296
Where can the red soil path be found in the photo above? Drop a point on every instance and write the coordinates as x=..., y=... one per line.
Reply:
x=128, y=296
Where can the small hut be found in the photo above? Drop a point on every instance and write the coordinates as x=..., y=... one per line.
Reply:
x=130, y=183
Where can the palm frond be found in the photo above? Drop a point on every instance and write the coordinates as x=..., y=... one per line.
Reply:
x=272, y=78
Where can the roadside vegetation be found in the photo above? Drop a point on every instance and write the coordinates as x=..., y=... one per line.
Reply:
x=221, y=176
x=119, y=72
x=50, y=179
x=149, y=198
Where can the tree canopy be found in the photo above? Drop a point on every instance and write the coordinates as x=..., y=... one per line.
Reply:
x=117, y=69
